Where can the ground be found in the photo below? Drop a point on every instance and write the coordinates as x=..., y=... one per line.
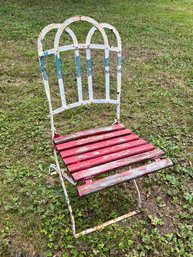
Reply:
x=157, y=96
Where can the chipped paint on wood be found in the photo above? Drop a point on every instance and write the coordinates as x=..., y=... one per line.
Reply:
x=92, y=139
x=103, y=151
x=87, y=133
x=94, y=162
x=99, y=145
x=123, y=177
x=95, y=171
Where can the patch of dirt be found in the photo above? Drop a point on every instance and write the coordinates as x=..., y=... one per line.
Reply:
x=167, y=80
x=166, y=213
x=139, y=55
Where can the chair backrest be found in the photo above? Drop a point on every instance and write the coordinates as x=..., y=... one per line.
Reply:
x=87, y=45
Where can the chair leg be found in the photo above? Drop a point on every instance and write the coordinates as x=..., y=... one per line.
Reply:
x=98, y=227
x=138, y=194
x=69, y=206
x=62, y=176
x=105, y=224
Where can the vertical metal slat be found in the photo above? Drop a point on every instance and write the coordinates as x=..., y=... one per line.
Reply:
x=89, y=73
x=60, y=79
x=107, y=74
x=78, y=75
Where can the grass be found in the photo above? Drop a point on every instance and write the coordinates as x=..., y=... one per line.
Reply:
x=156, y=103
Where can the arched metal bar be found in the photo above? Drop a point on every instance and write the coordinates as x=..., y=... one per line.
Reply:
x=43, y=34
x=77, y=57
x=114, y=30
x=79, y=18
x=73, y=36
x=107, y=63
x=105, y=26
x=89, y=35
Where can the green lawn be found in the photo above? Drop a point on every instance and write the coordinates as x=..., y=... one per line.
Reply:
x=157, y=98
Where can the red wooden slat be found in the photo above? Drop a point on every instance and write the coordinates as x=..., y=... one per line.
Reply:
x=86, y=133
x=122, y=177
x=103, y=151
x=96, y=146
x=110, y=157
x=95, y=171
x=92, y=139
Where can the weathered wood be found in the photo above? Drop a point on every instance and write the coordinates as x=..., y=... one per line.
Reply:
x=103, y=151
x=86, y=133
x=95, y=171
x=123, y=177
x=96, y=146
x=92, y=139
x=109, y=157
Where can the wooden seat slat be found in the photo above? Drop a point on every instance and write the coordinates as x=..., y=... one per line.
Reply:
x=109, y=157
x=86, y=133
x=92, y=139
x=97, y=145
x=123, y=177
x=103, y=151
x=95, y=171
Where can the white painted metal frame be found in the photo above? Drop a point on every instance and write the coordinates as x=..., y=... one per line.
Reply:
x=88, y=46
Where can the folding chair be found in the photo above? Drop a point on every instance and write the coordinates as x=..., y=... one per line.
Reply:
x=91, y=153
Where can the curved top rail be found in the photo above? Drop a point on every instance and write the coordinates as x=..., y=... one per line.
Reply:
x=90, y=34
x=108, y=26
x=43, y=34
x=79, y=18
x=50, y=27
x=112, y=28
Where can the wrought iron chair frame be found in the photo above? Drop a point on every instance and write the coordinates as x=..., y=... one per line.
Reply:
x=65, y=106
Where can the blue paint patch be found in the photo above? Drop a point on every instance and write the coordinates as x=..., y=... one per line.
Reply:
x=77, y=60
x=45, y=54
x=107, y=62
x=43, y=67
x=58, y=67
x=89, y=67
x=119, y=62
x=107, y=65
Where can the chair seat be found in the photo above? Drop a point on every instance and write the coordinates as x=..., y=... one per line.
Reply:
x=91, y=153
